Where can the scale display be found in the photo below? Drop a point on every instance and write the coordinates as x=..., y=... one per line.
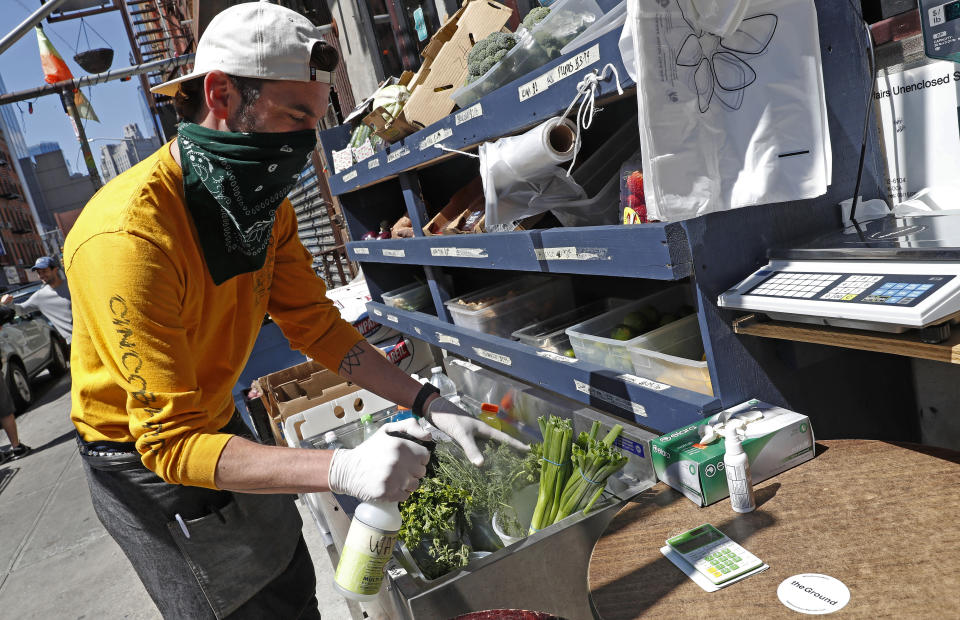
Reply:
x=890, y=273
x=901, y=290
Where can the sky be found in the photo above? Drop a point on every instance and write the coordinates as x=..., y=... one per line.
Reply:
x=116, y=103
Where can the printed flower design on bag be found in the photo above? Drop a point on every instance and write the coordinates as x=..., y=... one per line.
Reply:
x=720, y=64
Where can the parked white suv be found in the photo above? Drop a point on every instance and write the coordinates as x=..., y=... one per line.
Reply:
x=28, y=346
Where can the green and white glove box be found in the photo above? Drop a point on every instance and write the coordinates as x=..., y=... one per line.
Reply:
x=775, y=439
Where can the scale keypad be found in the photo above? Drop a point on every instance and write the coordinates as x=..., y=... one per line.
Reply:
x=900, y=290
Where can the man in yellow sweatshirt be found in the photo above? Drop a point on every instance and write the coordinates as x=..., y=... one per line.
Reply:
x=171, y=268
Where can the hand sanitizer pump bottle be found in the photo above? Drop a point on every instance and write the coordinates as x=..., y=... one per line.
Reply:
x=737, y=467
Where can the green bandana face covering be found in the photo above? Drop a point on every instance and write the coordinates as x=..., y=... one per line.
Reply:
x=234, y=183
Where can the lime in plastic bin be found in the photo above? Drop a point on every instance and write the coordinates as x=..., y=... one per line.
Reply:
x=673, y=354
x=504, y=308
x=591, y=339
x=551, y=334
x=534, y=48
x=410, y=297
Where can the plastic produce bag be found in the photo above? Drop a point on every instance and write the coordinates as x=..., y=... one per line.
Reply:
x=611, y=20
x=521, y=176
x=534, y=48
x=727, y=121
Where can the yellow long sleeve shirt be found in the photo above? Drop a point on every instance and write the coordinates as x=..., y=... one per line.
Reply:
x=157, y=347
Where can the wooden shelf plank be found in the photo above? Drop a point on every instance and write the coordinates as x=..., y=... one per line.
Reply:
x=658, y=251
x=907, y=344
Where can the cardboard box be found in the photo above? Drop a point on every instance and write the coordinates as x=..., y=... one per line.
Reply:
x=294, y=389
x=410, y=355
x=351, y=300
x=384, y=125
x=781, y=439
x=467, y=198
x=444, y=69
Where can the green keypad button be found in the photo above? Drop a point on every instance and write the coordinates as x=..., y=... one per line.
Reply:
x=736, y=558
x=724, y=570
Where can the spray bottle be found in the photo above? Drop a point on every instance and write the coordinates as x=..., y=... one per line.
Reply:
x=369, y=543
x=737, y=467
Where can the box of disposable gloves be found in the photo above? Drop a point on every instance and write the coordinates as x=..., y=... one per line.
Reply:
x=690, y=459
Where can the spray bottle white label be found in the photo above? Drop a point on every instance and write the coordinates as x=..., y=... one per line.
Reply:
x=365, y=552
x=740, y=485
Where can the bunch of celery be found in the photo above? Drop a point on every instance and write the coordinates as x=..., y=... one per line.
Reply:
x=595, y=461
x=557, y=440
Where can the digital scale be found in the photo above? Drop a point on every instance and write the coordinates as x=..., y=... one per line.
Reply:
x=888, y=274
x=940, y=23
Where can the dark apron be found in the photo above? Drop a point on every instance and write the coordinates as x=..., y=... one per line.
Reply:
x=238, y=543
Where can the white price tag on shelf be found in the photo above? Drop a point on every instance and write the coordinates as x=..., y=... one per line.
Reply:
x=418, y=330
x=470, y=113
x=377, y=312
x=361, y=250
x=350, y=176
x=394, y=253
x=607, y=397
x=436, y=137
x=572, y=253
x=445, y=339
x=646, y=383
x=562, y=71
x=373, y=163
x=459, y=252
x=392, y=318
x=466, y=364
x=493, y=357
x=397, y=154
x=550, y=355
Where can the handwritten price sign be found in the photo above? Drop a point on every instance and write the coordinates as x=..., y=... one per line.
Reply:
x=564, y=70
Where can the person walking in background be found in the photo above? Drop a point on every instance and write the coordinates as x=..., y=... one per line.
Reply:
x=8, y=422
x=53, y=299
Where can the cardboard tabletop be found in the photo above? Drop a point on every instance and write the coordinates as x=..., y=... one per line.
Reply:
x=878, y=516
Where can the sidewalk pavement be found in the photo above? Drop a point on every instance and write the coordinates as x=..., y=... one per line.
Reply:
x=56, y=560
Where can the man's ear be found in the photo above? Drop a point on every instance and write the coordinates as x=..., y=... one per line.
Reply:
x=220, y=94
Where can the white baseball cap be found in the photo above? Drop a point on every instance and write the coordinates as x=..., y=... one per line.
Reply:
x=255, y=40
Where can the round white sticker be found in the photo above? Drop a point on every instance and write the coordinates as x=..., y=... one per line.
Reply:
x=813, y=594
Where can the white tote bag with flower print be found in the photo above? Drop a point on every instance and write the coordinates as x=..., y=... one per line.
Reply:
x=730, y=119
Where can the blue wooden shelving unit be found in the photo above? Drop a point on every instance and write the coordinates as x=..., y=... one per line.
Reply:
x=708, y=254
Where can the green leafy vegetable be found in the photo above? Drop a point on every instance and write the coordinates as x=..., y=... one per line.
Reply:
x=449, y=515
x=488, y=52
x=595, y=462
x=535, y=16
x=557, y=435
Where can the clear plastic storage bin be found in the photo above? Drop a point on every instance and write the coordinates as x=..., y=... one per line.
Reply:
x=502, y=309
x=592, y=341
x=551, y=334
x=534, y=48
x=673, y=354
x=410, y=297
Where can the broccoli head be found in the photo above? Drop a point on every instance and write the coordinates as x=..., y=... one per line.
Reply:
x=535, y=16
x=488, y=52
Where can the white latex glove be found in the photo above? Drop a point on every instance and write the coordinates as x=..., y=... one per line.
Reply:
x=465, y=429
x=383, y=468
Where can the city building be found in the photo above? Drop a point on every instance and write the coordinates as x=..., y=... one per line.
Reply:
x=19, y=242
x=116, y=158
x=63, y=194
x=43, y=147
